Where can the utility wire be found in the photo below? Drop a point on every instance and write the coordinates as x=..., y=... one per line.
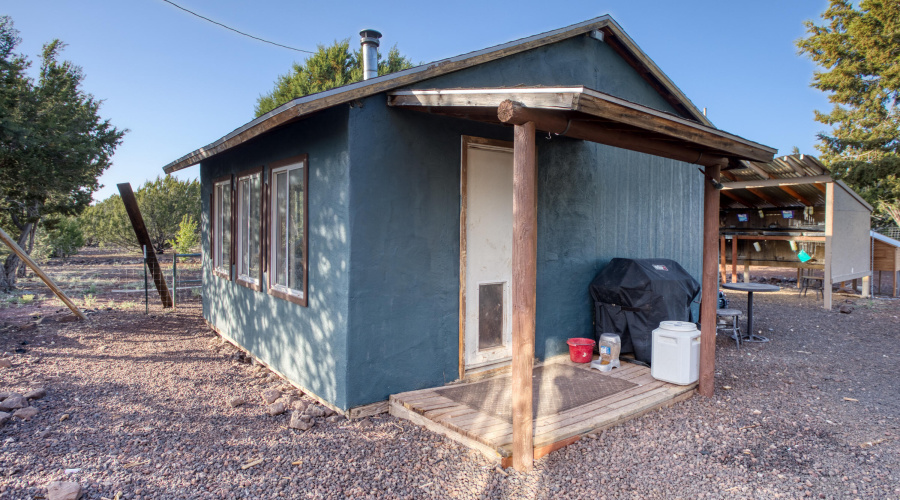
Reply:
x=232, y=29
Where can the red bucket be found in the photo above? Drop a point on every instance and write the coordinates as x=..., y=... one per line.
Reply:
x=581, y=350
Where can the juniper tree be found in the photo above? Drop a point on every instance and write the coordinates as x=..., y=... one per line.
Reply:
x=332, y=66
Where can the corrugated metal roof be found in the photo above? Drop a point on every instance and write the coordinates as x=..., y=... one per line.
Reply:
x=794, y=166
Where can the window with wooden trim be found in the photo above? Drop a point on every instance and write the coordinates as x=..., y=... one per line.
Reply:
x=248, y=247
x=288, y=232
x=221, y=222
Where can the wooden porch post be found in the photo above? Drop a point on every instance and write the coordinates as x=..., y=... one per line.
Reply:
x=524, y=283
x=710, y=285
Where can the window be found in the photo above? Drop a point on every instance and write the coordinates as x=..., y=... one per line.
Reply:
x=288, y=232
x=248, y=230
x=221, y=221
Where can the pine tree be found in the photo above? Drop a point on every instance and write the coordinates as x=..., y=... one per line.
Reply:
x=332, y=66
x=858, y=50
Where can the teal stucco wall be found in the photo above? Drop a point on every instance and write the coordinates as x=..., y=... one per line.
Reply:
x=307, y=344
x=595, y=202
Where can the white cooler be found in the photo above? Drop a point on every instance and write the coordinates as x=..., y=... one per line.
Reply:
x=676, y=353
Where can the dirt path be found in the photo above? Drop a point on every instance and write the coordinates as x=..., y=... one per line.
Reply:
x=138, y=405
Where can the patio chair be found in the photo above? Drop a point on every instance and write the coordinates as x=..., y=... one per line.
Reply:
x=734, y=327
x=807, y=280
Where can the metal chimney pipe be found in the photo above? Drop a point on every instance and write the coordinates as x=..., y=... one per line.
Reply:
x=369, y=42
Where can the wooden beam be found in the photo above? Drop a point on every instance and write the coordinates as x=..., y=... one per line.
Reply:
x=734, y=260
x=11, y=243
x=740, y=200
x=710, y=286
x=514, y=113
x=792, y=181
x=758, y=170
x=820, y=187
x=143, y=237
x=766, y=175
x=798, y=196
x=765, y=197
x=724, y=267
x=612, y=108
x=524, y=286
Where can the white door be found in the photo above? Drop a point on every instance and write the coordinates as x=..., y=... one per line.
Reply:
x=488, y=268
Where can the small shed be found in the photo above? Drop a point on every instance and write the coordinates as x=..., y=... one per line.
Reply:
x=397, y=234
x=886, y=258
x=777, y=213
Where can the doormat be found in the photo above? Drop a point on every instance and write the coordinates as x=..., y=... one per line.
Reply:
x=556, y=388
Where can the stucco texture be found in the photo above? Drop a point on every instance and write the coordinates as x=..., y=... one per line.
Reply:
x=307, y=344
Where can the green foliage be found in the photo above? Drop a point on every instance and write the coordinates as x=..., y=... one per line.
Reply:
x=332, y=66
x=53, y=143
x=188, y=237
x=164, y=203
x=59, y=238
x=858, y=50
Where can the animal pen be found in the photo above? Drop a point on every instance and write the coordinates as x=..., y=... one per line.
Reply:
x=792, y=213
x=886, y=259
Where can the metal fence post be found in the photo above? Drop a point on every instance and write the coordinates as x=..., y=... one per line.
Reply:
x=174, y=279
x=146, y=285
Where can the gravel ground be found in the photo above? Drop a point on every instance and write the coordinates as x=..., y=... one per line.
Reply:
x=139, y=406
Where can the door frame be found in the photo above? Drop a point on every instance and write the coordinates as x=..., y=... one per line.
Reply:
x=466, y=141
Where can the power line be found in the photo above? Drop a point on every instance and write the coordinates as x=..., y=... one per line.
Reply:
x=232, y=29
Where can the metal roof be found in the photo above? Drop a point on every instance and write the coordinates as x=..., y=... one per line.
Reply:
x=306, y=105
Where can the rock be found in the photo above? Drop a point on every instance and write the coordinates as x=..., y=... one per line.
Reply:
x=236, y=401
x=63, y=490
x=4, y=417
x=271, y=395
x=314, y=411
x=25, y=413
x=5, y=363
x=334, y=419
x=328, y=411
x=63, y=417
x=298, y=422
x=846, y=309
x=299, y=405
x=36, y=394
x=14, y=402
x=276, y=408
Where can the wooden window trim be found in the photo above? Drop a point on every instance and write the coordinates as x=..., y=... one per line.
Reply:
x=212, y=215
x=238, y=278
x=303, y=301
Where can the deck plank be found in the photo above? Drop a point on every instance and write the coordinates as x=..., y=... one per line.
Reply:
x=493, y=436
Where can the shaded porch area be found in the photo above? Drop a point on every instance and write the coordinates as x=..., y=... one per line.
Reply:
x=472, y=414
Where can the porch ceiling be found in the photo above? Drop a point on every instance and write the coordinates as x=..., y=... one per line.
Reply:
x=587, y=114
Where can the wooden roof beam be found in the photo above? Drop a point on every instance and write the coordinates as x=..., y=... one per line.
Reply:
x=738, y=199
x=764, y=196
x=793, y=181
x=767, y=175
x=514, y=113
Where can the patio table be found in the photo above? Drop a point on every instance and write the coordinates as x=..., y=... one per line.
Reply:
x=750, y=288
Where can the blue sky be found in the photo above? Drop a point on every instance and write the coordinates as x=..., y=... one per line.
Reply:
x=178, y=82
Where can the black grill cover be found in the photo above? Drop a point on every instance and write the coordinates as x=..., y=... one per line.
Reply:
x=632, y=296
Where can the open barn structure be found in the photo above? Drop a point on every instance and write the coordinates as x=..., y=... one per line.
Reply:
x=791, y=212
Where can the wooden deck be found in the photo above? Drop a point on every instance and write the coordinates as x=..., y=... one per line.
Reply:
x=493, y=436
